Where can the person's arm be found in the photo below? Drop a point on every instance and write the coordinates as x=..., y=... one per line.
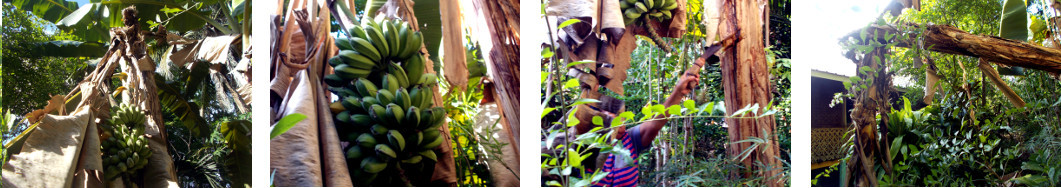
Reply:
x=649, y=130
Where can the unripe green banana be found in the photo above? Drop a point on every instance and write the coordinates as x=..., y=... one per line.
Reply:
x=401, y=97
x=403, y=40
x=437, y=117
x=390, y=82
x=656, y=15
x=365, y=87
x=399, y=73
x=429, y=79
x=649, y=4
x=334, y=80
x=343, y=43
x=356, y=60
x=397, y=113
x=670, y=5
x=632, y=14
x=414, y=40
x=433, y=144
x=414, y=96
x=390, y=30
x=412, y=160
x=377, y=111
x=352, y=104
x=343, y=117
x=361, y=120
x=366, y=140
x=357, y=32
x=384, y=151
x=425, y=118
x=385, y=96
x=376, y=37
x=412, y=116
x=379, y=130
x=372, y=165
x=354, y=152
x=429, y=136
x=640, y=7
x=347, y=72
x=367, y=103
x=414, y=69
x=414, y=139
x=396, y=139
x=429, y=154
x=366, y=48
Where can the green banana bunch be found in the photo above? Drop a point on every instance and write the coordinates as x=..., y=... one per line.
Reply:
x=125, y=151
x=385, y=108
x=128, y=115
x=655, y=9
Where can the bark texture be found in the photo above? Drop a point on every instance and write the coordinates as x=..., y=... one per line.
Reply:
x=499, y=39
x=951, y=40
x=746, y=80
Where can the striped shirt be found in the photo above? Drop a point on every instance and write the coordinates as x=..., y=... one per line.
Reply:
x=622, y=173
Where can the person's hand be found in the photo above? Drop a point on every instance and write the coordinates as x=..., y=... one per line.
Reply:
x=686, y=84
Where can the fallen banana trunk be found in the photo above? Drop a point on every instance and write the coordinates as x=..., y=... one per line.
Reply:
x=951, y=40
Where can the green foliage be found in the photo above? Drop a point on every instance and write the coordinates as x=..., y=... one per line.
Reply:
x=694, y=139
x=47, y=75
x=966, y=138
x=209, y=141
x=1044, y=166
x=91, y=21
x=474, y=144
x=931, y=150
x=237, y=136
x=6, y=120
x=471, y=157
x=285, y=123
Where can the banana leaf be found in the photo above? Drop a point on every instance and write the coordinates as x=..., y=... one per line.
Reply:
x=237, y=136
x=1014, y=26
x=187, y=112
x=427, y=16
x=91, y=21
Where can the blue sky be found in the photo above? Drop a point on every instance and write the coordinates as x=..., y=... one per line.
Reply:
x=81, y=2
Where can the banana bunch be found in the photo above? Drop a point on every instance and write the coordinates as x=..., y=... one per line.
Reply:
x=125, y=150
x=385, y=108
x=128, y=115
x=656, y=9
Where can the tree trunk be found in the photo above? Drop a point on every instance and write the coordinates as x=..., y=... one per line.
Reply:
x=500, y=43
x=746, y=80
x=951, y=40
x=159, y=171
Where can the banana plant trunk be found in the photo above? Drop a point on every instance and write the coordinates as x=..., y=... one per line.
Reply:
x=159, y=171
x=746, y=81
x=499, y=40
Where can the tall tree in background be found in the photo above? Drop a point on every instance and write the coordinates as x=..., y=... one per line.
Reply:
x=21, y=32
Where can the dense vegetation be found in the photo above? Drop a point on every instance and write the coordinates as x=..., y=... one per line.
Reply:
x=47, y=51
x=690, y=150
x=974, y=137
